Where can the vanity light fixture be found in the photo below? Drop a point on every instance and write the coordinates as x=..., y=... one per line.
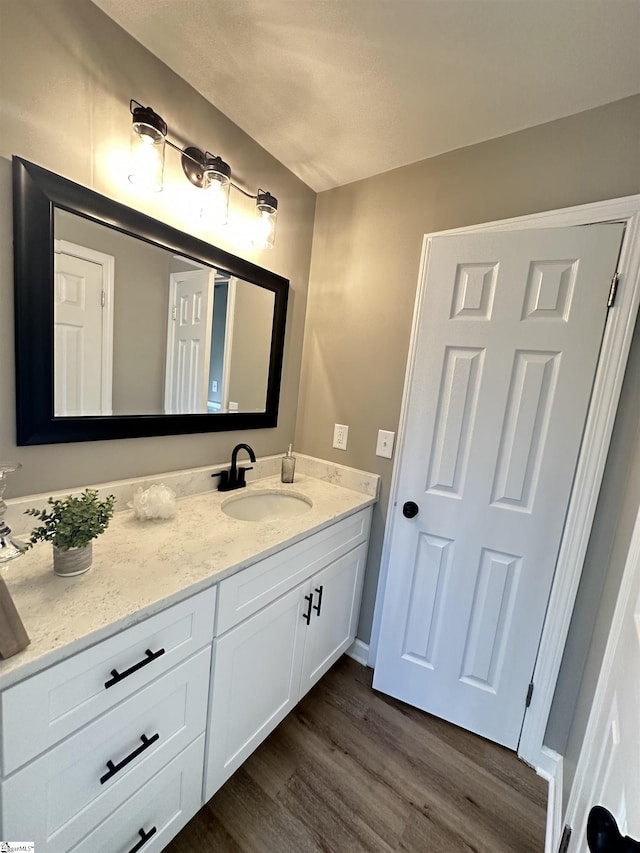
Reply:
x=148, y=137
x=267, y=213
x=204, y=170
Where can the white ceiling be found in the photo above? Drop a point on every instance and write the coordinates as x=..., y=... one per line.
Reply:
x=339, y=90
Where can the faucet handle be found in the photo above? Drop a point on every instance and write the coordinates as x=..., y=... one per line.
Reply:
x=223, y=485
x=241, y=472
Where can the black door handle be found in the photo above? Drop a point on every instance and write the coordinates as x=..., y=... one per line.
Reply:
x=316, y=607
x=307, y=616
x=603, y=835
x=410, y=509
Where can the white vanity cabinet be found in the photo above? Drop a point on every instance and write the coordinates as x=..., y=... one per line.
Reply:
x=93, y=746
x=281, y=624
x=115, y=747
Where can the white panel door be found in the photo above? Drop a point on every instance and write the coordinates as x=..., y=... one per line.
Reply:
x=82, y=373
x=509, y=338
x=608, y=770
x=189, y=342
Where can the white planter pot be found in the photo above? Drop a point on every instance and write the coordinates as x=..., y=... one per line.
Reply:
x=75, y=561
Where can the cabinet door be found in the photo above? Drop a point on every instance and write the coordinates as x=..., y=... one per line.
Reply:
x=336, y=594
x=256, y=682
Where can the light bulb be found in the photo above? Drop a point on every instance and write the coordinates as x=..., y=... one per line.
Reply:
x=215, y=205
x=265, y=229
x=147, y=149
x=264, y=235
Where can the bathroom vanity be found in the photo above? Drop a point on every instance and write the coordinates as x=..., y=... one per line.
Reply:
x=152, y=678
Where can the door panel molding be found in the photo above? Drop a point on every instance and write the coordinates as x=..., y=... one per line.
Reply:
x=591, y=462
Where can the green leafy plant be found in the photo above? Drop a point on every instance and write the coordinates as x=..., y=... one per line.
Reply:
x=72, y=522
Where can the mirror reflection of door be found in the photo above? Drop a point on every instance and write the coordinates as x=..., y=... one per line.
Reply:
x=191, y=295
x=83, y=330
x=229, y=373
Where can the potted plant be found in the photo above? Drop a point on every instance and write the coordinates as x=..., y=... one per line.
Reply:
x=71, y=524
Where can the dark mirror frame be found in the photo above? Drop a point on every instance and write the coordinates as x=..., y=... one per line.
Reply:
x=36, y=194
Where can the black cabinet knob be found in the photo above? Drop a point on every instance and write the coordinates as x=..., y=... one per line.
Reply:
x=410, y=509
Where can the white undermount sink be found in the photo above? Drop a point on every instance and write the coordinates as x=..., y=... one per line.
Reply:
x=266, y=505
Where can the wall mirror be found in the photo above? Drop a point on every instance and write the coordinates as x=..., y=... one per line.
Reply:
x=126, y=327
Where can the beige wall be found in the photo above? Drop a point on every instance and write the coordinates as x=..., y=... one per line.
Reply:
x=364, y=269
x=67, y=73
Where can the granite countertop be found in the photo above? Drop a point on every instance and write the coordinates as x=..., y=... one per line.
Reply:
x=142, y=567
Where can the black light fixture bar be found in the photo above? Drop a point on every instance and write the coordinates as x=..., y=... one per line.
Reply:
x=194, y=160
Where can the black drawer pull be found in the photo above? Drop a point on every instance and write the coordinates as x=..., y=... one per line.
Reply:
x=144, y=837
x=115, y=768
x=316, y=607
x=118, y=676
x=307, y=616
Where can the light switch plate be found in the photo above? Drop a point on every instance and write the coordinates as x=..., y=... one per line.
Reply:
x=340, y=436
x=384, y=447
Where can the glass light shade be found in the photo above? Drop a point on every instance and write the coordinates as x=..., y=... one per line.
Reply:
x=266, y=215
x=265, y=230
x=147, y=156
x=215, y=204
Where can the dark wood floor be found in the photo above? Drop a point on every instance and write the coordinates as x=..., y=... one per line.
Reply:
x=352, y=770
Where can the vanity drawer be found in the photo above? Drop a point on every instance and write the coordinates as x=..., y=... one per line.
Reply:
x=165, y=804
x=248, y=591
x=44, y=709
x=70, y=789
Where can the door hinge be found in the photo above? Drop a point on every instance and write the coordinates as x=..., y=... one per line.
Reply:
x=613, y=290
x=529, y=695
x=174, y=313
x=103, y=298
x=564, y=840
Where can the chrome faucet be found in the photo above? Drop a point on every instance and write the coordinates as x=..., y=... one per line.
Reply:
x=235, y=477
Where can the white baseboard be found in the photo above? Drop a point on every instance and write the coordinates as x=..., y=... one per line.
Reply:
x=550, y=768
x=359, y=651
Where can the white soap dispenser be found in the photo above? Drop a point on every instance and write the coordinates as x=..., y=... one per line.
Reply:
x=288, y=466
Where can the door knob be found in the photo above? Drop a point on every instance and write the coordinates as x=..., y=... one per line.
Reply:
x=603, y=835
x=410, y=509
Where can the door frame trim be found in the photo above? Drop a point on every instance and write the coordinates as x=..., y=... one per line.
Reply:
x=593, y=452
x=599, y=708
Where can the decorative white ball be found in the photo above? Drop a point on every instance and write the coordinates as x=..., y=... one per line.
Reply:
x=158, y=501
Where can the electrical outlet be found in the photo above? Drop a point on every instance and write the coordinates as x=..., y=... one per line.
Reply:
x=214, y=386
x=340, y=436
x=384, y=447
